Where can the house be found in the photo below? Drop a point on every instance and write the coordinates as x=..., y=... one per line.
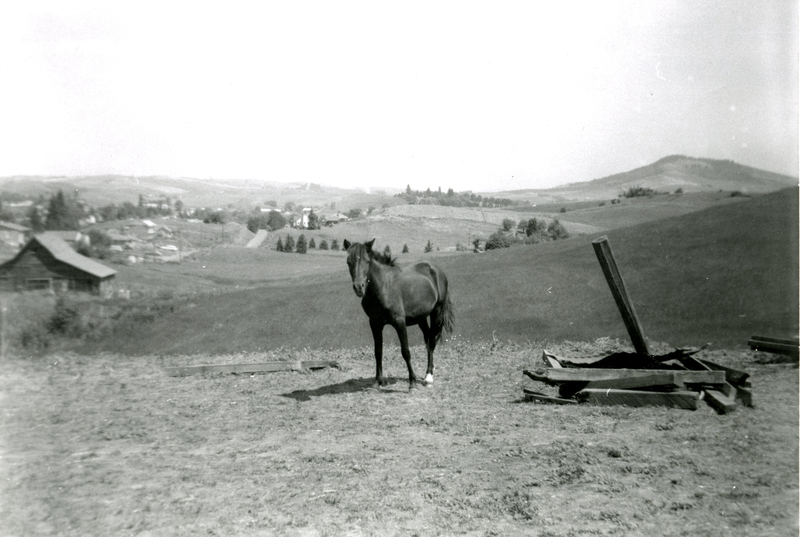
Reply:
x=333, y=218
x=14, y=234
x=48, y=262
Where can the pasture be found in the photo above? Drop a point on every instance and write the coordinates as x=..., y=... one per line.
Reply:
x=98, y=440
x=110, y=445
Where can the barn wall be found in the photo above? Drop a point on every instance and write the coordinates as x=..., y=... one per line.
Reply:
x=36, y=268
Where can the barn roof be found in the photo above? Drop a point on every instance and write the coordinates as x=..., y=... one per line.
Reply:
x=14, y=227
x=62, y=251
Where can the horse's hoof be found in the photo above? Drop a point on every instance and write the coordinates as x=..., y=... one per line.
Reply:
x=428, y=379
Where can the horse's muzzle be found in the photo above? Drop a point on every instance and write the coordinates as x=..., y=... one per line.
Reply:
x=359, y=288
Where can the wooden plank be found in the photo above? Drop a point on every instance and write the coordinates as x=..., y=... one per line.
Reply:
x=536, y=396
x=602, y=250
x=265, y=367
x=777, y=348
x=782, y=341
x=694, y=364
x=744, y=396
x=550, y=359
x=667, y=381
x=558, y=376
x=723, y=403
x=733, y=376
x=638, y=398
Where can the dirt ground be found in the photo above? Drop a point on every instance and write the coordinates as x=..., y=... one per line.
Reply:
x=111, y=445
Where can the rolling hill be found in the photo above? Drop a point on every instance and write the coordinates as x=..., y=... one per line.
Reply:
x=665, y=175
x=717, y=275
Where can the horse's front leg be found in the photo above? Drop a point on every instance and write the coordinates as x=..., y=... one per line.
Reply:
x=402, y=334
x=377, y=336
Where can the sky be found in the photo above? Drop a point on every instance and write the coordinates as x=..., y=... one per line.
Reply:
x=483, y=96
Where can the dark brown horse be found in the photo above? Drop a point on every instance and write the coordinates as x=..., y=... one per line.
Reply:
x=400, y=299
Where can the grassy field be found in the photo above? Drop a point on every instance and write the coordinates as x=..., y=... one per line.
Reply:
x=110, y=445
x=716, y=276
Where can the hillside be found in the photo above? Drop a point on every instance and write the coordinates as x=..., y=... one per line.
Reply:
x=718, y=275
x=665, y=175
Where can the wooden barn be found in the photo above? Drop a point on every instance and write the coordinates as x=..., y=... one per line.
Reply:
x=47, y=262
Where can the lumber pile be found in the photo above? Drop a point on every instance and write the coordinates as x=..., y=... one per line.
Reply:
x=676, y=379
x=681, y=382
x=789, y=347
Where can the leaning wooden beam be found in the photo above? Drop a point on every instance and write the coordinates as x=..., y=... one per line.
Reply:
x=636, y=398
x=536, y=396
x=550, y=360
x=603, y=251
x=557, y=376
x=734, y=376
x=265, y=367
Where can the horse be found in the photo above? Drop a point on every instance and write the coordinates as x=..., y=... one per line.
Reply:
x=400, y=298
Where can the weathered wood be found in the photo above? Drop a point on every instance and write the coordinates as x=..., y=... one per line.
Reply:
x=718, y=400
x=265, y=367
x=784, y=341
x=550, y=359
x=637, y=398
x=774, y=345
x=744, y=396
x=692, y=363
x=614, y=278
x=536, y=396
x=733, y=376
x=666, y=381
x=558, y=376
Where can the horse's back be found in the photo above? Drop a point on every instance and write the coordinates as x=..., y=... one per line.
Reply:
x=434, y=274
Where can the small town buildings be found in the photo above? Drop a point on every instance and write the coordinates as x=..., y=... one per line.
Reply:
x=14, y=234
x=48, y=262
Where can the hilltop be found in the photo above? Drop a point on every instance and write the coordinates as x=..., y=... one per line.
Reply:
x=665, y=175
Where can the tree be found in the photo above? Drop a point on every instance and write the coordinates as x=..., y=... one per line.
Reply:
x=323, y=244
x=254, y=223
x=279, y=246
x=61, y=213
x=354, y=213
x=508, y=224
x=387, y=252
x=428, y=247
x=288, y=244
x=334, y=244
x=311, y=243
x=557, y=230
x=405, y=248
x=302, y=246
x=35, y=219
x=275, y=220
x=313, y=220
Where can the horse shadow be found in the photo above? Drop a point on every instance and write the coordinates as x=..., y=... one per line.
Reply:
x=348, y=386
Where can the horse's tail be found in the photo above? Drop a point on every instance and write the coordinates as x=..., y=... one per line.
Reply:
x=446, y=317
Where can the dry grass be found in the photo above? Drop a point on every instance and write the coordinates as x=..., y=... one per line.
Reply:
x=112, y=446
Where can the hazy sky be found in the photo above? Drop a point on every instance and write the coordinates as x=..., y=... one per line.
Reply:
x=468, y=95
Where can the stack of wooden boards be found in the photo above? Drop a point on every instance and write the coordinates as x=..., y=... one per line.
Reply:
x=683, y=383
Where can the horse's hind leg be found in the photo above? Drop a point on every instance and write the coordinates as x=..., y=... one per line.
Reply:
x=430, y=345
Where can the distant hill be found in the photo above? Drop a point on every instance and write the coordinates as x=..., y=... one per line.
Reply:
x=666, y=175
x=100, y=190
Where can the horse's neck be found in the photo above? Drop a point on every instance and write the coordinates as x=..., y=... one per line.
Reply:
x=379, y=274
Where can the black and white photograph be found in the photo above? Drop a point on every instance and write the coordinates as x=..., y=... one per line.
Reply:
x=322, y=269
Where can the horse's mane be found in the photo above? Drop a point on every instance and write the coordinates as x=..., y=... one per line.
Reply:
x=384, y=259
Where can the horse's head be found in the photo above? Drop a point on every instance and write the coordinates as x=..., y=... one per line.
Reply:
x=359, y=257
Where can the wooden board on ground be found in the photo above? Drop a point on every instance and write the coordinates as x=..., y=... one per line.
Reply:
x=557, y=376
x=775, y=345
x=265, y=367
x=536, y=396
x=665, y=381
x=636, y=398
x=723, y=403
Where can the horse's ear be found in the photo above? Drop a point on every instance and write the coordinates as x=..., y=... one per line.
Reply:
x=369, y=244
x=346, y=244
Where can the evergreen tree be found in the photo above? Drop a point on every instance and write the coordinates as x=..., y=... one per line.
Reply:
x=428, y=247
x=311, y=243
x=405, y=248
x=387, y=251
x=279, y=246
x=323, y=244
x=61, y=214
x=288, y=244
x=313, y=220
x=35, y=219
x=334, y=244
x=302, y=247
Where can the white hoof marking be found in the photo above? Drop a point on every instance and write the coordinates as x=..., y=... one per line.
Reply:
x=428, y=379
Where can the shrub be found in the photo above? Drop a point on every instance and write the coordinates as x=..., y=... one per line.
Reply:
x=302, y=246
x=639, y=191
x=335, y=244
x=279, y=246
x=387, y=252
x=508, y=224
x=311, y=243
x=498, y=240
x=679, y=190
x=254, y=223
x=65, y=320
x=428, y=247
x=562, y=210
x=288, y=244
x=556, y=230
x=323, y=244
x=35, y=338
x=405, y=248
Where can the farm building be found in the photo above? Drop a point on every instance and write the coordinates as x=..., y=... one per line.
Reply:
x=14, y=234
x=48, y=262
